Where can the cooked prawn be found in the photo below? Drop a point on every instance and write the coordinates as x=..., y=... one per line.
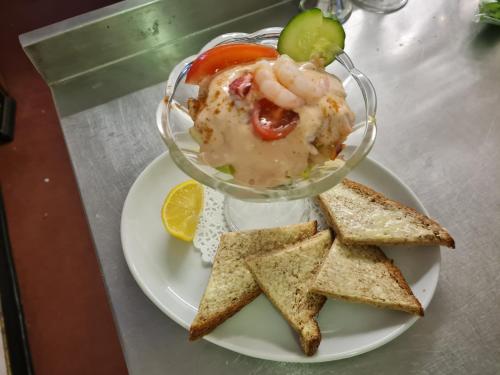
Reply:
x=274, y=91
x=307, y=84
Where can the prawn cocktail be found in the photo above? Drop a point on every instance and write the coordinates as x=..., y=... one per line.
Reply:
x=265, y=117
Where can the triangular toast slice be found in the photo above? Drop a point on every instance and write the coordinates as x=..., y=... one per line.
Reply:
x=360, y=215
x=285, y=277
x=360, y=273
x=231, y=285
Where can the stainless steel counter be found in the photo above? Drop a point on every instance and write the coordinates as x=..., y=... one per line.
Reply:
x=437, y=76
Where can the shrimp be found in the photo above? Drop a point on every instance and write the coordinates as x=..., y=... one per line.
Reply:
x=309, y=85
x=274, y=91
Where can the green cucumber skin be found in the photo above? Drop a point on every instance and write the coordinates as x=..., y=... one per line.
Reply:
x=328, y=34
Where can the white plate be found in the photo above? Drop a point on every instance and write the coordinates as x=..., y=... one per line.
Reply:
x=172, y=275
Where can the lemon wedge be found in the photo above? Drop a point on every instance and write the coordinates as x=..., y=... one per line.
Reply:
x=181, y=210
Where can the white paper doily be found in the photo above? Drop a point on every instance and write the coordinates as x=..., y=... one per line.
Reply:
x=213, y=223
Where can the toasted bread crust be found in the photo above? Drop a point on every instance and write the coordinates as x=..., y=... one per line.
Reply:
x=307, y=327
x=315, y=227
x=394, y=306
x=197, y=331
x=204, y=322
x=398, y=276
x=309, y=344
x=287, y=248
x=440, y=235
x=323, y=205
x=378, y=256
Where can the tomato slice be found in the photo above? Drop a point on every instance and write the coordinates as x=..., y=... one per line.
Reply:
x=224, y=56
x=271, y=122
x=241, y=86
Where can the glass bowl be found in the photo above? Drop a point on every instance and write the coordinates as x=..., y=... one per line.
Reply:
x=174, y=122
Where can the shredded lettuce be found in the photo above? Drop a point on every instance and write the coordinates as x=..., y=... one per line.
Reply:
x=489, y=12
x=228, y=169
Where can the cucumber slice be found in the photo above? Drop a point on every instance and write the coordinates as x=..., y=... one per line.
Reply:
x=309, y=36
